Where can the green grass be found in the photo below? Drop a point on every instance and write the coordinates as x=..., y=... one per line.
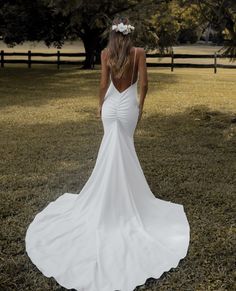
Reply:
x=186, y=143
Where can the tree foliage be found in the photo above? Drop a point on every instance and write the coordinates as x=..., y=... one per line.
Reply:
x=174, y=20
x=221, y=14
x=23, y=20
x=159, y=24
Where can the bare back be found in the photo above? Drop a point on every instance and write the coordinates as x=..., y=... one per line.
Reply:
x=136, y=69
x=130, y=76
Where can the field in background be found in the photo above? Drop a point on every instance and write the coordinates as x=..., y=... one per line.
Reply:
x=186, y=143
x=77, y=46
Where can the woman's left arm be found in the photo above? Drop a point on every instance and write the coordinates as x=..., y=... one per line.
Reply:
x=104, y=81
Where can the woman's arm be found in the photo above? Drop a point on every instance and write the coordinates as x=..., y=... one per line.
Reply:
x=142, y=68
x=104, y=81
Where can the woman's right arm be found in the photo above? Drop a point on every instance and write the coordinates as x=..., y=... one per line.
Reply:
x=143, y=79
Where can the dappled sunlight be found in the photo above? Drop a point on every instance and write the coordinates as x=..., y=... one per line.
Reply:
x=55, y=113
x=186, y=141
x=38, y=87
x=174, y=92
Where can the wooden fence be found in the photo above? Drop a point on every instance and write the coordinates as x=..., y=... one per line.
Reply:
x=58, y=60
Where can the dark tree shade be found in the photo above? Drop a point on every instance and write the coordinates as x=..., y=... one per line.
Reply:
x=23, y=20
x=159, y=24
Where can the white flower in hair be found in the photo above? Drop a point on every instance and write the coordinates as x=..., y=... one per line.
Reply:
x=123, y=28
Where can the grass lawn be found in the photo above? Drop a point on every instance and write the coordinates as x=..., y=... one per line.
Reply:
x=186, y=143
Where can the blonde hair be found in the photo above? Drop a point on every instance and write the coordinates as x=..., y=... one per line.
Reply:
x=119, y=46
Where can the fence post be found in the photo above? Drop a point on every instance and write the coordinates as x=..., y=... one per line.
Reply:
x=172, y=60
x=2, y=58
x=94, y=59
x=58, y=59
x=215, y=62
x=29, y=59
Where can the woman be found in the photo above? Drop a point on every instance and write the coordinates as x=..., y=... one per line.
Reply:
x=115, y=233
x=119, y=53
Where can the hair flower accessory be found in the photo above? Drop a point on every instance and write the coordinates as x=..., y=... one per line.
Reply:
x=123, y=28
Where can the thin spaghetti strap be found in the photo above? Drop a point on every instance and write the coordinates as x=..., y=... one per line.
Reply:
x=133, y=65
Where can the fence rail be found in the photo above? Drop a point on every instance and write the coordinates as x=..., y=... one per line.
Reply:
x=58, y=61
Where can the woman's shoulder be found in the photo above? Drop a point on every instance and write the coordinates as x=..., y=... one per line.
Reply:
x=104, y=52
x=140, y=49
x=141, y=53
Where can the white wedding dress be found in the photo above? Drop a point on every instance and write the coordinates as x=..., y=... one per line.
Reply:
x=115, y=233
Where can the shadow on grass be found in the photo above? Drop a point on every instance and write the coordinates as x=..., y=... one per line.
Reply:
x=68, y=82
x=187, y=158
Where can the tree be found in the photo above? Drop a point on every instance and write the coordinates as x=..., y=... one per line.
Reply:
x=91, y=21
x=23, y=20
x=159, y=24
x=54, y=21
x=221, y=14
x=190, y=21
x=177, y=21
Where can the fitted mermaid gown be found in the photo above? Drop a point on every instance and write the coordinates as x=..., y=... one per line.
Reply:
x=114, y=233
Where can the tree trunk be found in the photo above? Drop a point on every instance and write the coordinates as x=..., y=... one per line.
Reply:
x=92, y=48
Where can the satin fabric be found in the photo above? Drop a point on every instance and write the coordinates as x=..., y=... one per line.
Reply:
x=115, y=233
